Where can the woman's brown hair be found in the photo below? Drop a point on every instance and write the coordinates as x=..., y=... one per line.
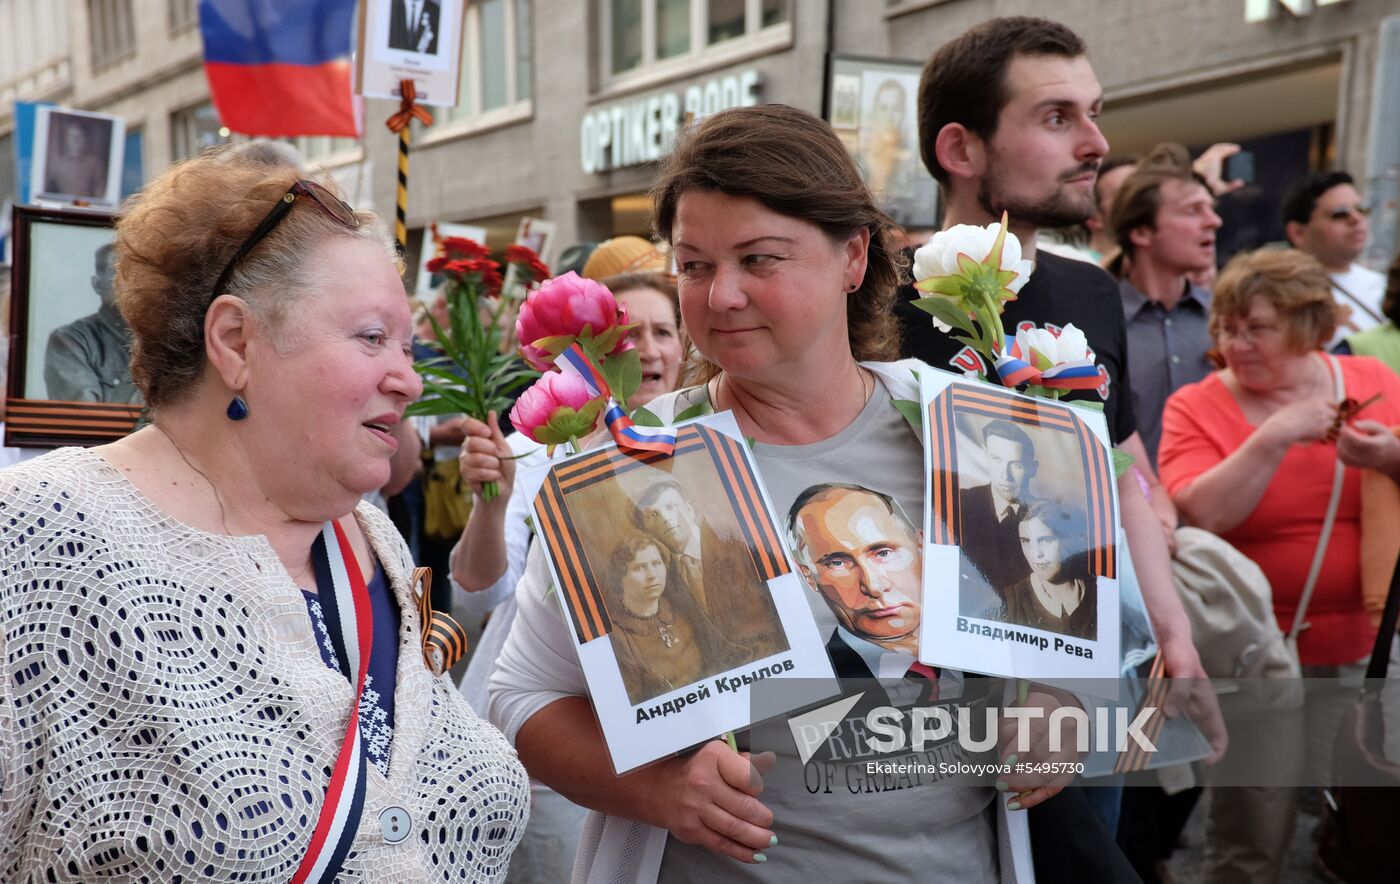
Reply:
x=174, y=239
x=792, y=163
x=1293, y=282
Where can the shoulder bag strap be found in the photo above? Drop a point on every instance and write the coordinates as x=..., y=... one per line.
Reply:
x=1339, y=474
x=349, y=619
x=1375, y=317
x=1380, y=653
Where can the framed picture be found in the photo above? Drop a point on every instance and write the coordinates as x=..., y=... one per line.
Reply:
x=77, y=156
x=426, y=285
x=873, y=106
x=418, y=40
x=1021, y=573
x=678, y=591
x=70, y=376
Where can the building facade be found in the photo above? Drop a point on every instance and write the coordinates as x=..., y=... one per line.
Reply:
x=567, y=104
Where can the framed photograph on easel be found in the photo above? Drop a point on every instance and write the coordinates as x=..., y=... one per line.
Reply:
x=69, y=376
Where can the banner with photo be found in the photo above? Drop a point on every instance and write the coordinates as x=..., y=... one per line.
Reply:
x=677, y=589
x=1021, y=572
x=418, y=40
x=872, y=103
x=77, y=157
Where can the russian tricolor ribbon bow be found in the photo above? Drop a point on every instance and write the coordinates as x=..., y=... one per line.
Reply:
x=628, y=435
x=1015, y=368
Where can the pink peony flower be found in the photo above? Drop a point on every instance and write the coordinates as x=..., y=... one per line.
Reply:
x=556, y=409
x=566, y=309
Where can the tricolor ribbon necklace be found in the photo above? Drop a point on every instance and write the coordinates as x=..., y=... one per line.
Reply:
x=349, y=620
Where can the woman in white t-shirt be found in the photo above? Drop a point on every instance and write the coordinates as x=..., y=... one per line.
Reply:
x=787, y=274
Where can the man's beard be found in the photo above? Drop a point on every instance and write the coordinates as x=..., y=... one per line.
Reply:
x=1058, y=209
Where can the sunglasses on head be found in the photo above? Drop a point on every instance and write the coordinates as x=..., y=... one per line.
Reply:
x=1341, y=213
x=329, y=203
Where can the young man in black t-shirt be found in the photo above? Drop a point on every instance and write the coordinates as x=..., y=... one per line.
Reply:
x=1008, y=122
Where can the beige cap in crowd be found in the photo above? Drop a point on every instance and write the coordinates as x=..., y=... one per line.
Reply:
x=624, y=254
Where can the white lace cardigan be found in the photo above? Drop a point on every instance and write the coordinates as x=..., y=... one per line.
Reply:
x=165, y=714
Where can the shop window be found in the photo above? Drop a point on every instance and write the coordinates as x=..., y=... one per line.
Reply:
x=194, y=129
x=181, y=15
x=495, y=80
x=112, y=32
x=638, y=36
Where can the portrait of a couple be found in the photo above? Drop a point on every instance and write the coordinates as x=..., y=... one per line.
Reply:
x=1025, y=556
x=684, y=596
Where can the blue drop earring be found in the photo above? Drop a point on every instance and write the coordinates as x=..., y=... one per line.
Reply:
x=237, y=408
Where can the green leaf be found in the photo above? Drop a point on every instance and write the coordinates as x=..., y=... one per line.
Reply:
x=1089, y=404
x=623, y=372
x=912, y=411
x=644, y=418
x=946, y=312
x=1122, y=462
x=699, y=409
x=448, y=375
x=554, y=345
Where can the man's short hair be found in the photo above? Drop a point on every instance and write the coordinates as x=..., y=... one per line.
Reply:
x=965, y=80
x=664, y=482
x=1302, y=197
x=1011, y=431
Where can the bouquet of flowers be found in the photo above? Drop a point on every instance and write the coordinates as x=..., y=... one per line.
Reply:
x=475, y=374
x=968, y=274
x=574, y=331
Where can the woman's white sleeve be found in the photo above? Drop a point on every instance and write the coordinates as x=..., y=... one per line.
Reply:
x=539, y=663
x=517, y=539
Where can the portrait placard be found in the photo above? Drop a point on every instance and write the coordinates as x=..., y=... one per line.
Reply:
x=418, y=40
x=872, y=104
x=70, y=376
x=1021, y=572
x=77, y=156
x=677, y=590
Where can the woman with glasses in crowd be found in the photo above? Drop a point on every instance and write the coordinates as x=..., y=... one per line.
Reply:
x=1252, y=454
x=213, y=663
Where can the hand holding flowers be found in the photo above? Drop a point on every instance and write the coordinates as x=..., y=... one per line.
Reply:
x=473, y=376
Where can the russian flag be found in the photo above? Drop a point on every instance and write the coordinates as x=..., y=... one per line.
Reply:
x=280, y=67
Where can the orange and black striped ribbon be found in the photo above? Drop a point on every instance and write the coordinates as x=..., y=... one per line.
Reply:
x=444, y=639
x=1134, y=757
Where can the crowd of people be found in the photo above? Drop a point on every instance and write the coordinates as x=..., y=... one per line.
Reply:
x=190, y=614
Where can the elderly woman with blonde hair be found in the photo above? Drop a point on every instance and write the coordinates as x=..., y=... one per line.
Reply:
x=212, y=652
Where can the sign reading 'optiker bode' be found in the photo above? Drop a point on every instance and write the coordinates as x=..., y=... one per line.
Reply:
x=639, y=130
